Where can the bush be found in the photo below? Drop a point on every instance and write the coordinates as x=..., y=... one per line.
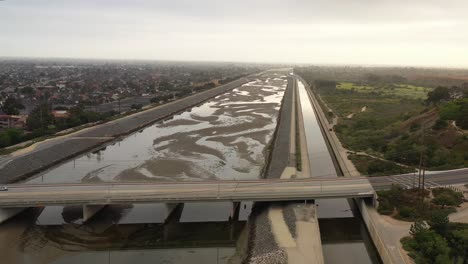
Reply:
x=407, y=212
x=446, y=197
x=136, y=106
x=440, y=124
x=428, y=246
x=10, y=137
x=445, y=200
x=414, y=127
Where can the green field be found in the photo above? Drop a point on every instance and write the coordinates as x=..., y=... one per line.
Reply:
x=398, y=90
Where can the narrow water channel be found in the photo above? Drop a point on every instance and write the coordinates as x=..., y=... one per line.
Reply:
x=344, y=236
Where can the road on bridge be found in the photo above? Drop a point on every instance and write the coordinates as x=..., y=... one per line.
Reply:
x=179, y=192
x=22, y=195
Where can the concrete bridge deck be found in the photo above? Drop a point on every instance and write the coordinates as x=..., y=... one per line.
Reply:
x=23, y=195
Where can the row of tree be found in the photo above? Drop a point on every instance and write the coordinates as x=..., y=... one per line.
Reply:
x=12, y=106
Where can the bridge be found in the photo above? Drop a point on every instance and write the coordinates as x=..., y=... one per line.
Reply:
x=316, y=163
x=266, y=190
x=22, y=195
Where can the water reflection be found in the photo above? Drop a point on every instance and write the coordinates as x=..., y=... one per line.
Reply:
x=344, y=236
x=219, y=255
x=224, y=138
x=45, y=240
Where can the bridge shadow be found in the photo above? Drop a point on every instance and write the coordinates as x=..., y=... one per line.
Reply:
x=107, y=231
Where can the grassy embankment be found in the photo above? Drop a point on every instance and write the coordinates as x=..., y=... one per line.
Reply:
x=386, y=126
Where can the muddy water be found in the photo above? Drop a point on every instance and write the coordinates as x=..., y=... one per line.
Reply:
x=29, y=239
x=224, y=138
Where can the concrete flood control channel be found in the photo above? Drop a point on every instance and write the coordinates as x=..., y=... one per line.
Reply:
x=27, y=162
x=348, y=249
x=224, y=138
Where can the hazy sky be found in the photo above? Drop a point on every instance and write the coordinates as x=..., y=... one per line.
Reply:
x=406, y=32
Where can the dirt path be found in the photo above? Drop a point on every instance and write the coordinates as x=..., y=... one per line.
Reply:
x=461, y=216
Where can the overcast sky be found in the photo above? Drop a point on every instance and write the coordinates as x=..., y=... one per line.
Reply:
x=385, y=32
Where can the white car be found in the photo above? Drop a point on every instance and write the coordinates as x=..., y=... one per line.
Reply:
x=3, y=188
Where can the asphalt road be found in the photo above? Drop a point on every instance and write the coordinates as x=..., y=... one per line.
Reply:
x=432, y=179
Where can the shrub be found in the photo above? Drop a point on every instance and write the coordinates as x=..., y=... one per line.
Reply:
x=446, y=197
x=440, y=124
x=407, y=212
x=136, y=106
x=445, y=200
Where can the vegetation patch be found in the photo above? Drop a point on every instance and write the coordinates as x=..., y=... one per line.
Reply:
x=446, y=197
x=376, y=167
x=403, y=90
x=437, y=241
x=401, y=122
x=457, y=111
x=416, y=204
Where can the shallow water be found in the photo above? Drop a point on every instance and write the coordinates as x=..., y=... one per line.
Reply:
x=224, y=138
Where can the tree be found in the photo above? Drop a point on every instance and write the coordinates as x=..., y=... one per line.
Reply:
x=462, y=119
x=439, y=222
x=136, y=106
x=440, y=124
x=165, y=85
x=10, y=136
x=437, y=95
x=27, y=90
x=429, y=246
x=12, y=105
x=325, y=84
x=418, y=227
x=40, y=118
x=458, y=242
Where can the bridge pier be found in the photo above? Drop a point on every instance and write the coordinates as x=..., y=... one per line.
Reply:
x=91, y=210
x=235, y=211
x=169, y=209
x=7, y=213
x=234, y=218
x=174, y=212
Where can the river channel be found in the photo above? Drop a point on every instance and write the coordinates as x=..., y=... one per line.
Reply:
x=223, y=138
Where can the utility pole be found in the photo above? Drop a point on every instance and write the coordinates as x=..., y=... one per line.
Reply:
x=419, y=168
x=423, y=177
x=422, y=162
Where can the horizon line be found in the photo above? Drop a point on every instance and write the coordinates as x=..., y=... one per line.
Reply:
x=383, y=65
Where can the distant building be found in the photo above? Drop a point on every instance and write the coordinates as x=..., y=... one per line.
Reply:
x=60, y=114
x=13, y=121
